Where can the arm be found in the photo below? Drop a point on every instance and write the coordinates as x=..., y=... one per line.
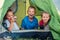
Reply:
x=41, y=24
x=10, y=26
x=23, y=25
x=36, y=25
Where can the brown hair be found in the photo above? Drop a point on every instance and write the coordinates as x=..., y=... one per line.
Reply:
x=9, y=10
x=45, y=13
x=32, y=7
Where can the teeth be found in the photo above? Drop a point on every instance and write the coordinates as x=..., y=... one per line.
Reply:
x=30, y=15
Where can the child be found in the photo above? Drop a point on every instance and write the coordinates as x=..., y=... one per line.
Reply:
x=45, y=18
x=30, y=21
x=9, y=21
x=44, y=21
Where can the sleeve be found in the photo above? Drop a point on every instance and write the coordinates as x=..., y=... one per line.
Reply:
x=7, y=23
x=36, y=26
x=23, y=24
x=41, y=24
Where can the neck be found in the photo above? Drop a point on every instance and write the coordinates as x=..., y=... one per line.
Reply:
x=45, y=24
x=31, y=19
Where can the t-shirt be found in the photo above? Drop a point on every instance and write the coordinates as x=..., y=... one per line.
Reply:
x=46, y=27
x=27, y=24
x=41, y=24
x=7, y=24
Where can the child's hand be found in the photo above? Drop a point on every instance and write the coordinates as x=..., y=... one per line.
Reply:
x=15, y=18
x=12, y=20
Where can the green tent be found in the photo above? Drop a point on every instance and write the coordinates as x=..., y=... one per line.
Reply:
x=43, y=5
x=3, y=9
x=48, y=6
x=5, y=6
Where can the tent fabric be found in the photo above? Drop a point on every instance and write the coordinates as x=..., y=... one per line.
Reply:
x=48, y=6
x=5, y=7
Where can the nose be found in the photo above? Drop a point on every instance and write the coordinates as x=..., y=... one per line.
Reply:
x=11, y=16
x=45, y=19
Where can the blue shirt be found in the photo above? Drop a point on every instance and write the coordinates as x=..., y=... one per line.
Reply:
x=27, y=24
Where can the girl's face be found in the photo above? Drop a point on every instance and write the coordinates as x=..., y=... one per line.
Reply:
x=31, y=12
x=45, y=17
x=9, y=15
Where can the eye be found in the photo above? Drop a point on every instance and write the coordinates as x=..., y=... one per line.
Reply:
x=8, y=16
x=44, y=17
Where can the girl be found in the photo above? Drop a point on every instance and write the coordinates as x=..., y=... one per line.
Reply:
x=9, y=21
x=45, y=18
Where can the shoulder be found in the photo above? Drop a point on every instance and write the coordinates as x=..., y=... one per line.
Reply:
x=35, y=18
x=25, y=18
x=6, y=21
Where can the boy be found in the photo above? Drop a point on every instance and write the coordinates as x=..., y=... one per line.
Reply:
x=30, y=21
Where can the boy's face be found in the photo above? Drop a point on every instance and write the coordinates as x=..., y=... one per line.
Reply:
x=45, y=17
x=9, y=15
x=31, y=12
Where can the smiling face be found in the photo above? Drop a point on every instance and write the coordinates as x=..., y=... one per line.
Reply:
x=9, y=15
x=45, y=17
x=31, y=12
